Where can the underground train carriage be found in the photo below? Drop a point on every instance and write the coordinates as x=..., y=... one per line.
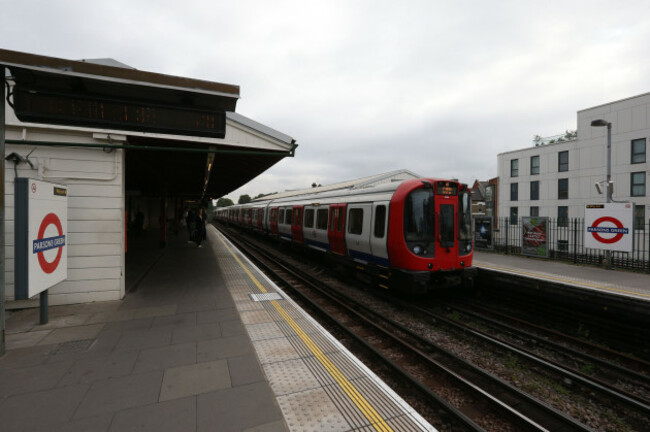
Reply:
x=412, y=236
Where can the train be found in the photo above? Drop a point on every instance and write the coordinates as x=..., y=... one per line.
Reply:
x=412, y=236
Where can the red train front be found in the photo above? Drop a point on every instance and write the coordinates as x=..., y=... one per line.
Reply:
x=430, y=240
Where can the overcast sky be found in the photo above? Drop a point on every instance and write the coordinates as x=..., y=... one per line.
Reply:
x=364, y=87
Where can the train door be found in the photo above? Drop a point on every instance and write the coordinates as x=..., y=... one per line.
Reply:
x=260, y=218
x=296, y=224
x=274, y=220
x=379, y=232
x=336, y=229
x=446, y=204
x=357, y=235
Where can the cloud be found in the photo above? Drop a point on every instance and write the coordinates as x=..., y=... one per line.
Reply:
x=439, y=88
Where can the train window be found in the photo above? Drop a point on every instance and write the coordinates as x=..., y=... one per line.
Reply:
x=380, y=221
x=309, y=218
x=321, y=219
x=465, y=223
x=334, y=215
x=355, y=221
x=419, y=227
x=447, y=225
x=341, y=222
x=281, y=217
x=418, y=216
x=287, y=217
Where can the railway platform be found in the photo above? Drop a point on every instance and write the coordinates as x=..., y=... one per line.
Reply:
x=615, y=282
x=202, y=341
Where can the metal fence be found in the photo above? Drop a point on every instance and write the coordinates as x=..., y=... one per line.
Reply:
x=566, y=243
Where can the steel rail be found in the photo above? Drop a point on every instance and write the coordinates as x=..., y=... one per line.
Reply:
x=617, y=395
x=540, y=341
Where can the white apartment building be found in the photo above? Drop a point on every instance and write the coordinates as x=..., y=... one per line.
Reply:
x=558, y=179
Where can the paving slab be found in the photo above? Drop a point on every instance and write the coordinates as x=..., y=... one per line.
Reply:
x=255, y=404
x=121, y=393
x=190, y=380
x=173, y=416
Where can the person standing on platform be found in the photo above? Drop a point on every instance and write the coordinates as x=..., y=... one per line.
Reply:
x=200, y=232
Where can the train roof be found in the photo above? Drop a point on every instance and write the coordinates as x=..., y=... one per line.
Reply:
x=364, y=182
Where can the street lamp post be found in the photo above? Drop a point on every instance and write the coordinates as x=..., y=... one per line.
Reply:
x=608, y=185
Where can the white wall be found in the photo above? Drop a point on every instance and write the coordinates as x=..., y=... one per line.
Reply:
x=95, y=181
x=630, y=120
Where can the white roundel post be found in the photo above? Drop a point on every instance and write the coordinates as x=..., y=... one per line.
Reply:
x=41, y=232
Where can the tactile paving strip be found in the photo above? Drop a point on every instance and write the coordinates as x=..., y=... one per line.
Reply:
x=312, y=411
x=309, y=396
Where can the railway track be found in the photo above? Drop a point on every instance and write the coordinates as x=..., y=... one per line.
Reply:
x=607, y=367
x=475, y=399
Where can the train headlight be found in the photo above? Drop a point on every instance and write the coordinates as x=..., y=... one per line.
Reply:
x=417, y=250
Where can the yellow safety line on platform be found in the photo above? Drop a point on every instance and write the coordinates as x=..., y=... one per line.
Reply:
x=559, y=279
x=364, y=406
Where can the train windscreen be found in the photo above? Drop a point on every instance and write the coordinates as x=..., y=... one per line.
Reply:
x=465, y=223
x=419, y=227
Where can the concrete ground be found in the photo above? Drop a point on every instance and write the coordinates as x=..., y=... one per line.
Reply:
x=172, y=356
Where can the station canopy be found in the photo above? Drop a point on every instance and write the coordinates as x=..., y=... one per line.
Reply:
x=183, y=137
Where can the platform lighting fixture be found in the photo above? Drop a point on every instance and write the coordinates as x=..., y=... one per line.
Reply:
x=602, y=123
x=608, y=181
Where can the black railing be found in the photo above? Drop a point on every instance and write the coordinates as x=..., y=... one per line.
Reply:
x=566, y=243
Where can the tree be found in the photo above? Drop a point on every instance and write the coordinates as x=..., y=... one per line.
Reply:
x=224, y=202
x=244, y=199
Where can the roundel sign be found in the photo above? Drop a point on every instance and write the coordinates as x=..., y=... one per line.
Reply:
x=42, y=243
x=609, y=226
x=41, y=215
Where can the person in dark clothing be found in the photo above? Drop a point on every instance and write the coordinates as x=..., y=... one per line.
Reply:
x=200, y=232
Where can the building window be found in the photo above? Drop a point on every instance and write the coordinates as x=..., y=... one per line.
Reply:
x=637, y=183
x=638, y=151
x=534, y=211
x=534, y=190
x=563, y=161
x=514, y=168
x=514, y=215
x=639, y=218
x=563, y=216
x=534, y=165
x=563, y=189
x=514, y=191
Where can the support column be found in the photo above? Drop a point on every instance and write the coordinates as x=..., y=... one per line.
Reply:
x=163, y=222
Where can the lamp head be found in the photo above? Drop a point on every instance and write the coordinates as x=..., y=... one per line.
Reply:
x=599, y=122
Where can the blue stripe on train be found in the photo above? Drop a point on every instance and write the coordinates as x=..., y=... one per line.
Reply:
x=318, y=245
x=369, y=258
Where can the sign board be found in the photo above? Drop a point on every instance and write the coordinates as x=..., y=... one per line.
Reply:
x=609, y=226
x=41, y=215
x=534, y=236
x=483, y=232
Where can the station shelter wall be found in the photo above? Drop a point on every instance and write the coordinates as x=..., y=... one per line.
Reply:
x=95, y=231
